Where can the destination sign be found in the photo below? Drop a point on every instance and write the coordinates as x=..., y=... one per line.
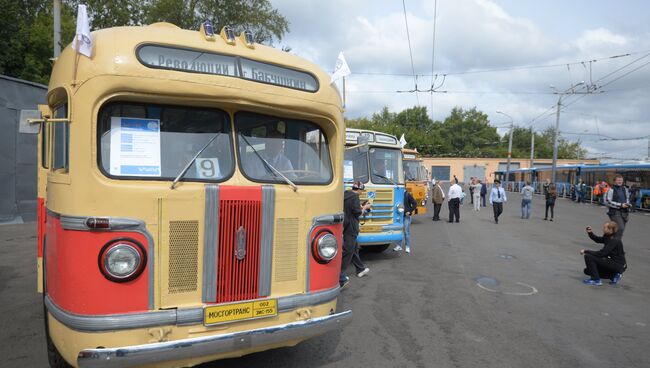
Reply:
x=194, y=61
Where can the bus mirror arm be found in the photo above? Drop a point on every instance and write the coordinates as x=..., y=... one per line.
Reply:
x=180, y=175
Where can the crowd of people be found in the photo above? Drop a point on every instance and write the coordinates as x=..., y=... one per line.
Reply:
x=608, y=262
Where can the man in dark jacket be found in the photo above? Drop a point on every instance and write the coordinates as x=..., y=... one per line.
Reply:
x=352, y=210
x=483, y=192
x=410, y=205
x=609, y=262
x=617, y=200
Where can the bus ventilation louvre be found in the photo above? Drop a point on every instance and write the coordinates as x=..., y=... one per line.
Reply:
x=238, y=261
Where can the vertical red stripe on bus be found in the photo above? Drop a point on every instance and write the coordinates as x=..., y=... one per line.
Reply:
x=41, y=217
x=325, y=276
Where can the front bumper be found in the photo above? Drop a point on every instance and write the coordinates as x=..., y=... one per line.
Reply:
x=385, y=237
x=129, y=356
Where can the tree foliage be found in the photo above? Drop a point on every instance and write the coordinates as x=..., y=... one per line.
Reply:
x=464, y=133
x=26, y=27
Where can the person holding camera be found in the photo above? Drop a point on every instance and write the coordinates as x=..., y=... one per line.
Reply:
x=617, y=200
x=352, y=210
x=609, y=262
x=410, y=205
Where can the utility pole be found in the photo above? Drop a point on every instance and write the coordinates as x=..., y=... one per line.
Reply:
x=532, y=148
x=509, y=145
x=56, y=10
x=569, y=91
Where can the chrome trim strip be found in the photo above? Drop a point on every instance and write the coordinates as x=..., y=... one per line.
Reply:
x=210, y=239
x=78, y=223
x=266, y=240
x=129, y=356
x=187, y=316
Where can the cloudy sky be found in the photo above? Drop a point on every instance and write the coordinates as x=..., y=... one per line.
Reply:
x=497, y=55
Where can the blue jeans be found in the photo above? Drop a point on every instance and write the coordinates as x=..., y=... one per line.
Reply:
x=525, y=208
x=407, y=232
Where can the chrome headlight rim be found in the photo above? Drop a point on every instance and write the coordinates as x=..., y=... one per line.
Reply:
x=125, y=245
x=323, y=240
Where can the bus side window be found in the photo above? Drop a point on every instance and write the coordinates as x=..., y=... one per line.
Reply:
x=61, y=140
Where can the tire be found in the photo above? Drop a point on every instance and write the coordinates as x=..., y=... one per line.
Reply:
x=54, y=358
x=377, y=248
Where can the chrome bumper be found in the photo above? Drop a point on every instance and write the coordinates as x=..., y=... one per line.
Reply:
x=129, y=356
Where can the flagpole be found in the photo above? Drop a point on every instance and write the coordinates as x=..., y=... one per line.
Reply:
x=343, y=92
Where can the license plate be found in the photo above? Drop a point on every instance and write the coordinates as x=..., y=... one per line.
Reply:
x=371, y=229
x=225, y=313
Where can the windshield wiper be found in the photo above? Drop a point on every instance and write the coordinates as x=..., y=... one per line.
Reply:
x=182, y=173
x=274, y=171
x=385, y=177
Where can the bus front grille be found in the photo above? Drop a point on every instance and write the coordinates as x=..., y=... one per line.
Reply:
x=382, y=206
x=238, y=260
x=183, y=256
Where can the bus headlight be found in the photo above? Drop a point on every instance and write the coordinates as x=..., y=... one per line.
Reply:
x=122, y=260
x=325, y=247
x=400, y=208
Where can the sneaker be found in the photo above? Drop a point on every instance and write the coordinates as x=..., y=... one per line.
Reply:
x=397, y=248
x=592, y=282
x=615, y=279
x=545, y=219
x=345, y=283
x=551, y=219
x=408, y=250
x=364, y=272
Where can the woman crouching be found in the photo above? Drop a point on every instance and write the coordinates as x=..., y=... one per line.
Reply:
x=609, y=262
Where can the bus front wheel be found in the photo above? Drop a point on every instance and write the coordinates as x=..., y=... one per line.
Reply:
x=54, y=358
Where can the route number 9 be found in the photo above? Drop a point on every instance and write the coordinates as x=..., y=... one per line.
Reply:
x=207, y=168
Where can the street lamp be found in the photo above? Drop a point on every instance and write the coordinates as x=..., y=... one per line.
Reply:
x=509, y=145
x=568, y=91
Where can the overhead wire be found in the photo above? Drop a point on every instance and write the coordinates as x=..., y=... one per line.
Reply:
x=433, y=52
x=408, y=36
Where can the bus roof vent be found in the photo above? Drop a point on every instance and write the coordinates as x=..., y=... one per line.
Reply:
x=164, y=24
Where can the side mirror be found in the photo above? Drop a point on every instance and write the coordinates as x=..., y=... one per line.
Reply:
x=25, y=125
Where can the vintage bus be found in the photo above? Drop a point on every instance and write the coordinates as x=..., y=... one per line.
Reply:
x=190, y=199
x=375, y=159
x=417, y=178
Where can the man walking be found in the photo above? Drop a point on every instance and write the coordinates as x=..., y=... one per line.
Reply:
x=410, y=205
x=483, y=192
x=455, y=193
x=352, y=210
x=438, y=196
x=497, y=197
x=617, y=199
x=526, y=200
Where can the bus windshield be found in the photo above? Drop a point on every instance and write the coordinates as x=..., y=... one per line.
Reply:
x=297, y=149
x=148, y=141
x=385, y=165
x=413, y=171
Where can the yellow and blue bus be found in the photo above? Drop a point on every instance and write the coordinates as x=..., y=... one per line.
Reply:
x=375, y=159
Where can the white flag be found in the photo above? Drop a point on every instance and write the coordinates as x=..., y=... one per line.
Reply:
x=402, y=141
x=82, y=41
x=341, y=69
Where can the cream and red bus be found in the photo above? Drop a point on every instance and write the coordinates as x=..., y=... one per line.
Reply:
x=190, y=199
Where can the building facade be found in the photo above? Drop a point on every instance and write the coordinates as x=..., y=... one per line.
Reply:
x=445, y=168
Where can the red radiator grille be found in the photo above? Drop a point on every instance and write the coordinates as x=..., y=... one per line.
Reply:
x=238, y=279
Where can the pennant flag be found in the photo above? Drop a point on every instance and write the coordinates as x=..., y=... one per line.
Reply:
x=82, y=42
x=402, y=141
x=341, y=69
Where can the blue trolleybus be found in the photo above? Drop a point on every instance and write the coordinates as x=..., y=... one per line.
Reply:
x=375, y=159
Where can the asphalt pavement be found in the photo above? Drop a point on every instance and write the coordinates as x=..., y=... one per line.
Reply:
x=472, y=294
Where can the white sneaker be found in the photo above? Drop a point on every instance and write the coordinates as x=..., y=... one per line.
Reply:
x=397, y=248
x=408, y=249
x=364, y=272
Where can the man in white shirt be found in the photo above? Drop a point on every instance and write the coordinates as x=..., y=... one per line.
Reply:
x=455, y=192
x=497, y=197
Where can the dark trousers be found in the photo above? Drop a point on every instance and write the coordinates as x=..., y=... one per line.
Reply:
x=552, y=207
x=497, y=207
x=620, y=219
x=471, y=195
x=436, y=211
x=598, y=267
x=454, y=209
x=350, y=252
x=483, y=200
